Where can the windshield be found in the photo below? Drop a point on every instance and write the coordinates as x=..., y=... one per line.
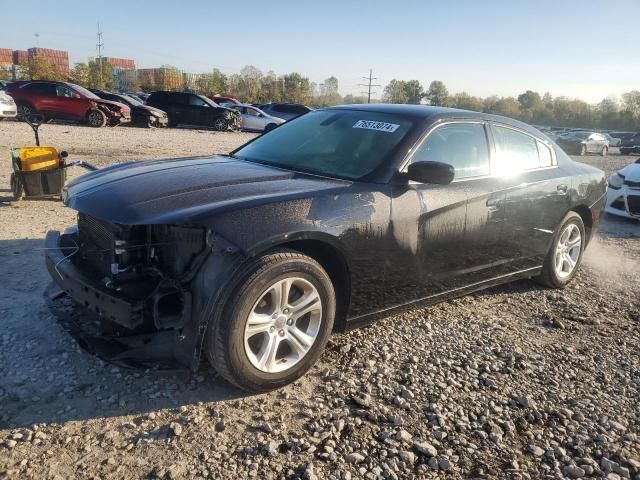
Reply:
x=337, y=143
x=128, y=99
x=208, y=100
x=85, y=92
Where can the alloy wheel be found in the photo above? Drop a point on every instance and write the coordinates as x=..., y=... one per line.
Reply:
x=283, y=325
x=568, y=250
x=95, y=118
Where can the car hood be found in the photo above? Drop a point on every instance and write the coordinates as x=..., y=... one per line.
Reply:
x=631, y=172
x=186, y=190
x=102, y=101
x=147, y=108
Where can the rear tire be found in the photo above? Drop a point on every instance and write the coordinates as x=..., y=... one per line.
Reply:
x=240, y=353
x=605, y=151
x=565, y=254
x=583, y=151
x=24, y=111
x=96, y=119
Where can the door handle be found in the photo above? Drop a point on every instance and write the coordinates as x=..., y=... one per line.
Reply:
x=494, y=204
x=562, y=189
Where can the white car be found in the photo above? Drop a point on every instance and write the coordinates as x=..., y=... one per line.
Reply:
x=8, y=107
x=254, y=119
x=623, y=195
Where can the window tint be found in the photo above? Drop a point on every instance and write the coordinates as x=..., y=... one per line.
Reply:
x=62, y=91
x=462, y=145
x=41, y=88
x=515, y=151
x=252, y=112
x=544, y=152
x=279, y=108
x=197, y=101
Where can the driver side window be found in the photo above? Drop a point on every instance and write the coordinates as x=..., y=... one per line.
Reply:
x=62, y=91
x=461, y=145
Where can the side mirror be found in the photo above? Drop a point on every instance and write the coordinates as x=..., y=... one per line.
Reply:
x=431, y=172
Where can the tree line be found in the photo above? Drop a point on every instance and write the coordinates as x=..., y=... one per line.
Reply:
x=251, y=85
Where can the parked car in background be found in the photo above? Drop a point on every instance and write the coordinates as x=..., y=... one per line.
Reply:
x=219, y=99
x=192, y=109
x=630, y=144
x=580, y=142
x=253, y=259
x=623, y=195
x=140, y=96
x=286, y=111
x=66, y=101
x=613, y=141
x=255, y=120
x=8, y=107
x=4, y=84
x=141, y=115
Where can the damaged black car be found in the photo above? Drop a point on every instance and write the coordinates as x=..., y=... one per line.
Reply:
x=330, y=221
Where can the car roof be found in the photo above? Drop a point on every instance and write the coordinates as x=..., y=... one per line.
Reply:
x=433, y=113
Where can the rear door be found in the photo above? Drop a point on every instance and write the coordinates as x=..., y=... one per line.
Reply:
x=42, y=96
x=197, y=111
x=252, y=119
x=537, y=194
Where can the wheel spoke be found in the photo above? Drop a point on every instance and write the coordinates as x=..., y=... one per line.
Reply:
x=285, y=288
x=574, y=242
x=299, y=341
x=257, y=323
x=267, y=354
x=570, y=261
x=306, y=304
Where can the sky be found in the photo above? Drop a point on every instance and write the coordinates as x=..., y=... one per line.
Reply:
x=580, y=49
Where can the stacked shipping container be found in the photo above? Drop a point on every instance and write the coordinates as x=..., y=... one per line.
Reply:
x=20, y=57
x=58, y=58
x=6, y=56
x=121, y=63
x=160, y=79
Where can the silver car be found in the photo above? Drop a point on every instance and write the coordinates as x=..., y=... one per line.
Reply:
x=254, y=119
x=8, y=107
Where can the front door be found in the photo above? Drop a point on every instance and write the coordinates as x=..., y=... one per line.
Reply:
x=442, y=237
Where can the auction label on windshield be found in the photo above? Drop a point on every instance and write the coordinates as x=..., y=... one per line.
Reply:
x=374, y=125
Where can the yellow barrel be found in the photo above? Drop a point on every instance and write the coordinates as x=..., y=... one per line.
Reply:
x=38, y=158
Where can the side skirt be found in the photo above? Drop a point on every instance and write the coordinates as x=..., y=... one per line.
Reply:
x=362, y=320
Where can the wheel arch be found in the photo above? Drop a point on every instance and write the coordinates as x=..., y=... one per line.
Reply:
x=330, y=254
x=587, y=218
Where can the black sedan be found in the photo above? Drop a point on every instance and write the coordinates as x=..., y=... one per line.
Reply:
x=141, y=115
x=325, y=223
x=582, y=142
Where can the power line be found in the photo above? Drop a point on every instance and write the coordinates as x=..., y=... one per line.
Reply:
x=370, y=79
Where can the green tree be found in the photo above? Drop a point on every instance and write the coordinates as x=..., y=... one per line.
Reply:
x=296, y=88
x=38, y=68
x=80, y=74
x=352, y=99
x=329, y=92
x=395, y=92
x=631, y=104
x=100, y=75
x=466, y=102
x=413, y=91
x=437, y=94
x=214, y=83
x=506, y=106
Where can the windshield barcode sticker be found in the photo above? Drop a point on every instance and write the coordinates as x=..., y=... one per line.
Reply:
x=379, y=126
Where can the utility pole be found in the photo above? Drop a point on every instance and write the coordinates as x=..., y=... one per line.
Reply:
x=99, y=47
x=37, y=35
x=370, y=79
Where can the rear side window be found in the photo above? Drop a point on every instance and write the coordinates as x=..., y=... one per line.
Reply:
x=515, y=151
x=197, y=101
x=48, y=89
x=462, y=145
x=544, y=152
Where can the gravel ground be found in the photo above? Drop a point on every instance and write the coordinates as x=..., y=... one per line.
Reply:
x=514, y=382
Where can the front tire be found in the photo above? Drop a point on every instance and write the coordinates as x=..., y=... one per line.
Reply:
x=583, y=150
x=276, y=323
x=565, y=255
x=24, y=111
x=96, y=119
x=605, y=151
x=220, y=124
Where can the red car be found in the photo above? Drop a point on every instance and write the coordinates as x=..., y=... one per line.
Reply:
x=222, y=99
x=66, y=101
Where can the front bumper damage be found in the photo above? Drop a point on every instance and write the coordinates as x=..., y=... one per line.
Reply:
x=115, y=327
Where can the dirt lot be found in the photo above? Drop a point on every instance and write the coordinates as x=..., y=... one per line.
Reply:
x=515, y=382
